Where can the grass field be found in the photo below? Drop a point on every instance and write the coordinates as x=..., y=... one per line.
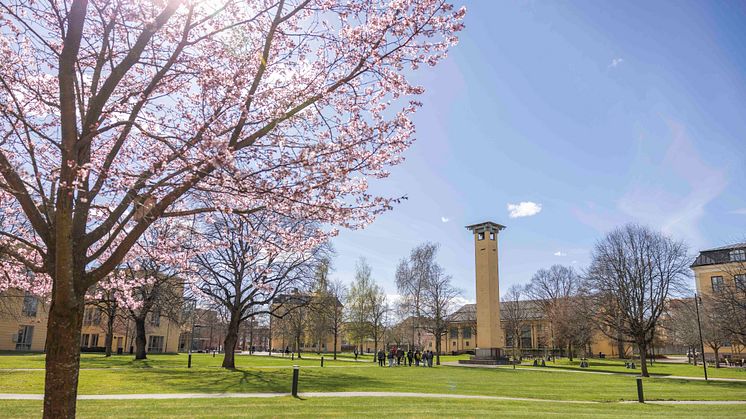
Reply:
x=658, y=368
x=366, y=407
x=168, y=374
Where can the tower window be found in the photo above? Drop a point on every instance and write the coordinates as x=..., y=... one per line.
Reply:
x=492, y=236
x=480, y=236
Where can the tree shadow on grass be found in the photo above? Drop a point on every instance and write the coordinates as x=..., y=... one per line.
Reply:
x=248, y=380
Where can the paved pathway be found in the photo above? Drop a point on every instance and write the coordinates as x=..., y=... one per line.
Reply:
x=164, y=396
x=628, y=374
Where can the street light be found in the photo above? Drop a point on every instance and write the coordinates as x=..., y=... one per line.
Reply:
x=701, y=341
x=191, y=335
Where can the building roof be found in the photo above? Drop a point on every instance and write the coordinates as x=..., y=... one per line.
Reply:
x=717, y=255
x=487, y=225
x=468, y=312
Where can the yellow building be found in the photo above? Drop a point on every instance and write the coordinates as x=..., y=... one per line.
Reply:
x=23, y=321
x=298, y=324
x=23, y=327
x=535, y=337
x=719, y=270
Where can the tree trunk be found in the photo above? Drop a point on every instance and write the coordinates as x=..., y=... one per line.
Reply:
x=62, y=354
x=437, y=349
x=109, y=330
x=642, y=347
x=569, y=350
x=717, y=357
x=140, y=338
x=336, y=334
x=229, y=344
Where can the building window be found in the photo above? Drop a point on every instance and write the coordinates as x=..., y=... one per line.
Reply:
x=453, y=343
x=717, y=283
x=526, y=337
x=738, y=255
x=466, y=332
x=740, y=281
x=480, y=236
x=454, y=333
x=84, y=338
x=492, y=236
x=155, y=343
x=92, y=316
x=24, y=338
x=467, y=343
x=155, y=318
x=30, y=303
x=94, y=341
x=509, y=340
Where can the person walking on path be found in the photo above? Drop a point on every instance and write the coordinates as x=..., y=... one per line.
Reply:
x=399, y=356
x=417, y=357
x=391, y=358
x=410, y=355
x=381, y=358
x=430, y=359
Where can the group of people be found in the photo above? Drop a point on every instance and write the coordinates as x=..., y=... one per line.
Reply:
x=398, y=357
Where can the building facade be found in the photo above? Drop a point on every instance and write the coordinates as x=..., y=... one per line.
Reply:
x=722, y=270
x=24, y=317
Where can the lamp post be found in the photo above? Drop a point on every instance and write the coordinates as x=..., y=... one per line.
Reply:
x=191, y=335
x=701, y=341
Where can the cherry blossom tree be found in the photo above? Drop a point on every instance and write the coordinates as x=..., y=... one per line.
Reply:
x=117, y=113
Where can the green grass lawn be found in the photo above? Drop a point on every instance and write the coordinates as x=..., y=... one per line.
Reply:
x=658, y=368
x=167, y=374
x=366, y=407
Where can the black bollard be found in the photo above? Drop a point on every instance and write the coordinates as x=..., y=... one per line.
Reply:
x=189, y=361
x=292, y=357
x=322, y=361
x=640, y=396
x=296, y=372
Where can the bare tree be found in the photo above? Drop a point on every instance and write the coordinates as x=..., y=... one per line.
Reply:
x=514, y=315
x=437, y=305
x=639, y=269
x=105, y=301
x=412, y=275
x=730, y=301
x=555, y=290
x=336, y=296
x=359, y=304
x=248, y=267
x=379, y=308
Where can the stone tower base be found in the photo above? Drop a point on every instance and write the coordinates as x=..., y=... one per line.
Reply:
x=486, y=356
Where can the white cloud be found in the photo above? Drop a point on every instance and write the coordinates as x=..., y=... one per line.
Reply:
x=560, y=253
x=524, y=209
x=445, y=219
x=615, y=62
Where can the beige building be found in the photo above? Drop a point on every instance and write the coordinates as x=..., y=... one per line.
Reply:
x=535, y=337
x=23, y=327
x=23, y=322
x=719, y=270
x=295, y=327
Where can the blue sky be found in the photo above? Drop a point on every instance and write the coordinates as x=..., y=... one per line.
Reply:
x=600, y=112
